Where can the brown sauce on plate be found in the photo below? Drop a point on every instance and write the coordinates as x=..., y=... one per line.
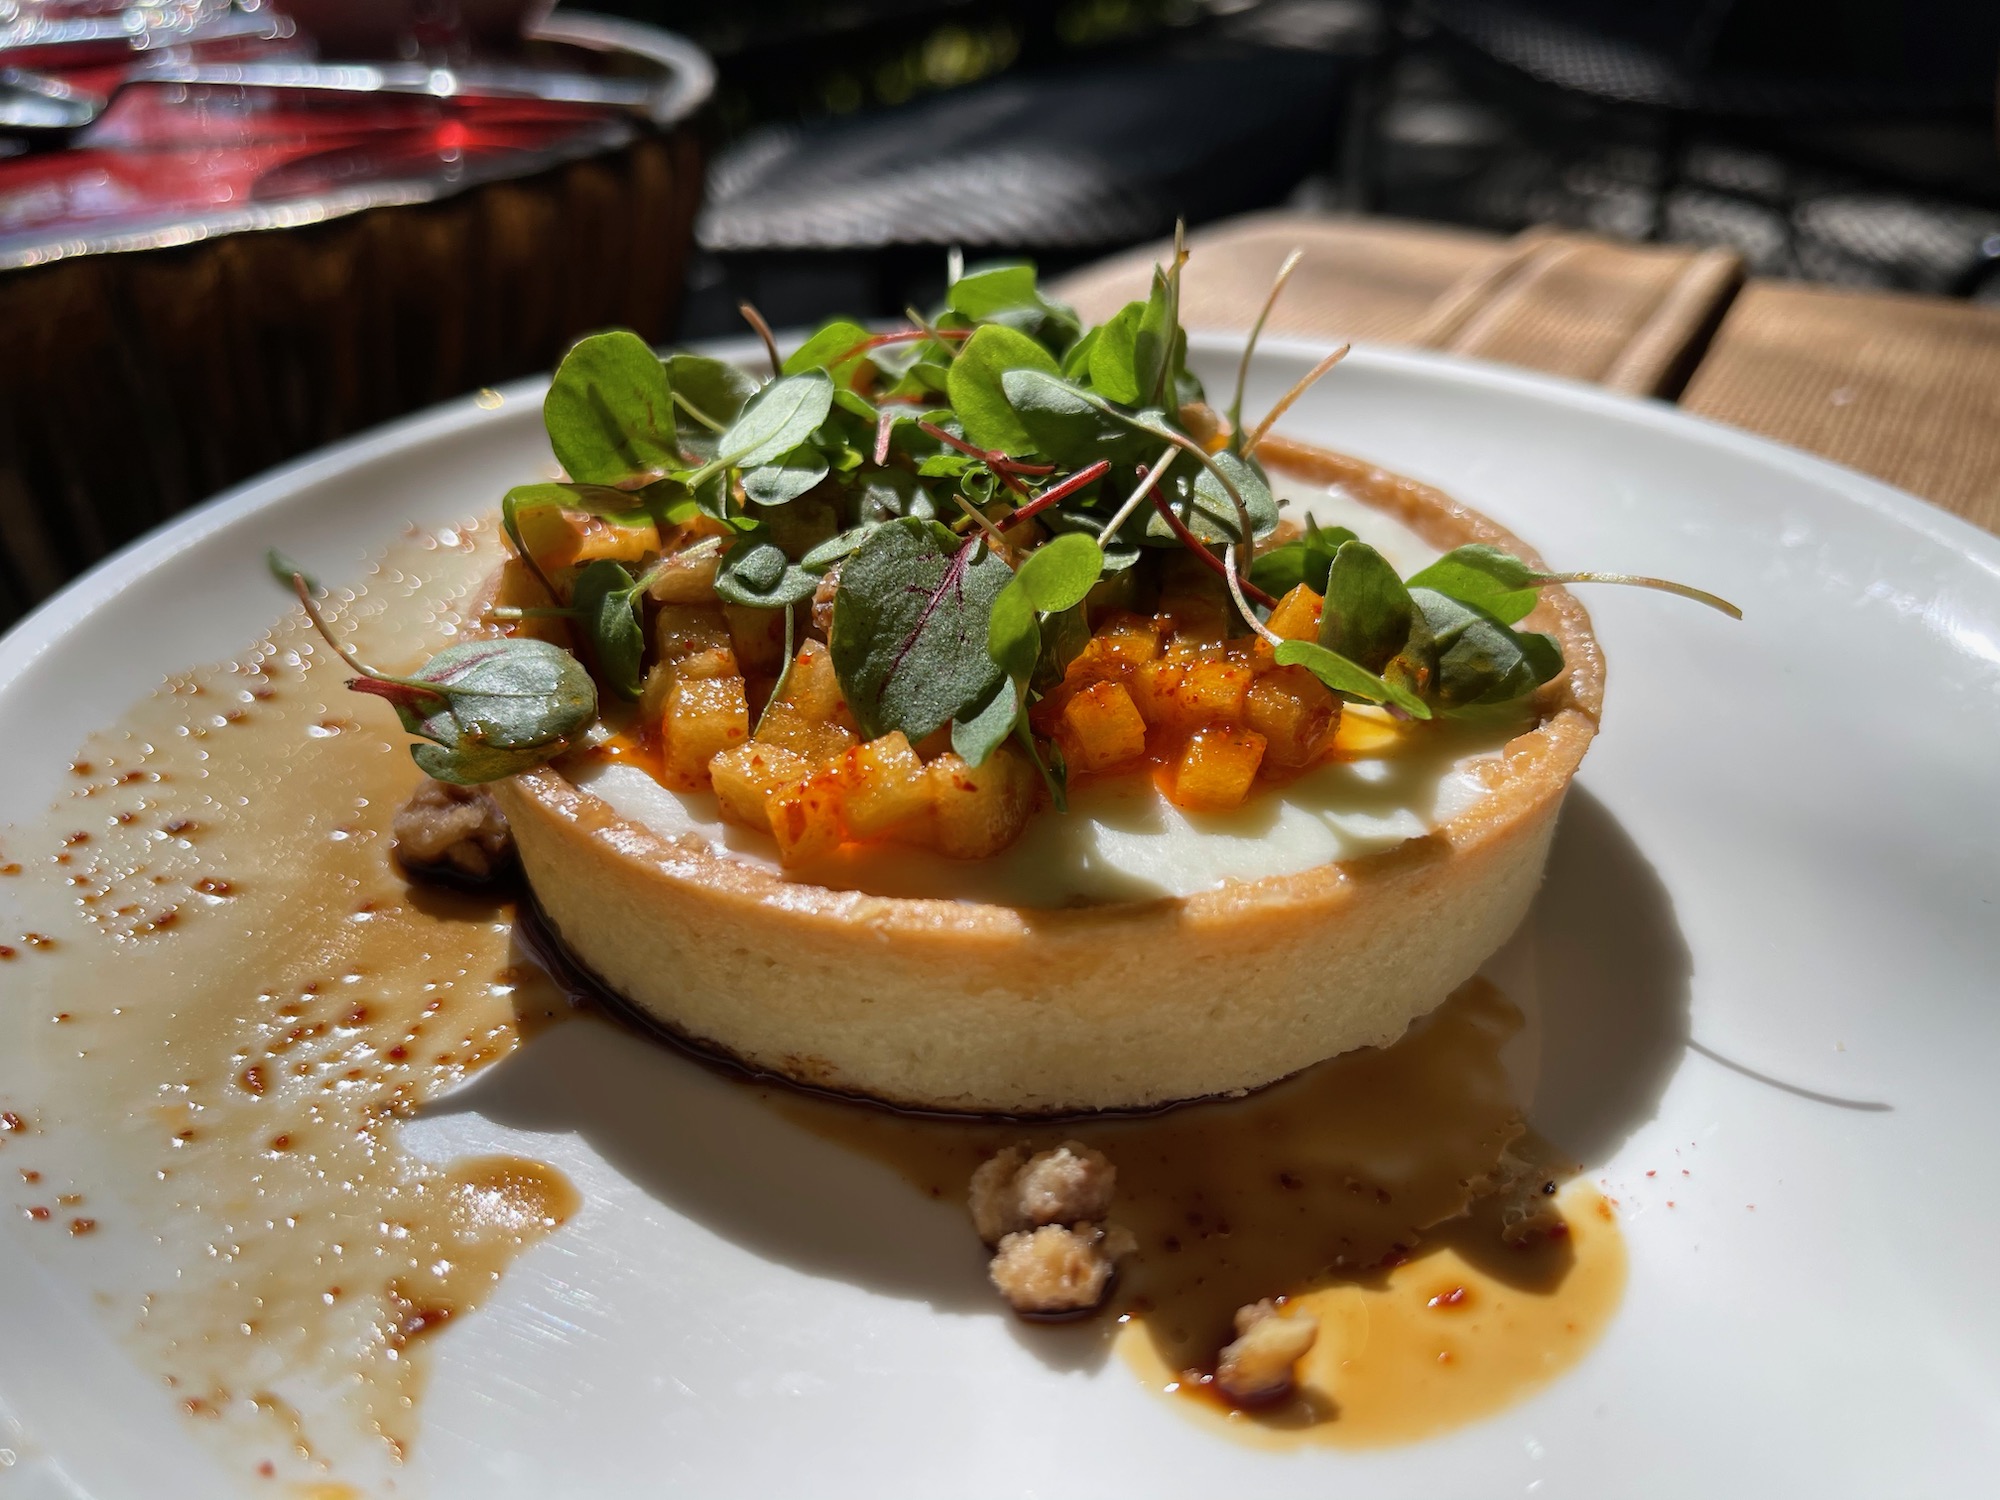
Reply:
x=223, y=1000
x=239, y=1001
x=1353, y=1188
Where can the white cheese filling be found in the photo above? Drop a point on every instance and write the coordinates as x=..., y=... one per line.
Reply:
x=1121, y=840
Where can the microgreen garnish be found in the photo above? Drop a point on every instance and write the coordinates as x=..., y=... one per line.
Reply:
x=485, y=709
x=972, y=492
x=910, y=627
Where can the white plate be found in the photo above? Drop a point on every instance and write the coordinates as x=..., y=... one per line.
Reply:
x=1768, y=953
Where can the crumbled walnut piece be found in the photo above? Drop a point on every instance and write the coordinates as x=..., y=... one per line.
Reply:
x=1526, y=1194
x=1260, y=1367
x=458, y=832
x=1057, y=1270
x=1014, y=1191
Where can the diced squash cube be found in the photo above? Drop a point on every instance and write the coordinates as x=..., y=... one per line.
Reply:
x=982, y=811
x=885, y=790
x=1184, y=695
x=1295, y=712
x=813, y=688
x=1217, y=768
x=561, y=538
x=518, y=588
x=694, y=640
x=818, y=743
x=705, y=715
x=805, y=817
x=688, y=576
x=1296, y=616
x=1102, y=727
x=1122, y=646
x=1365, y=731
x=1195, y=623
x=745, y=777
x=758, y=636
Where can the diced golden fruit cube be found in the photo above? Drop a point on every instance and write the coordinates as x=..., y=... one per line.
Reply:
x=688, y=576
x=745, y=777
x=758, y=636
x=705, y=715
x=1183, y=695
x=805, y=817
x=885, y=789
x=981, y=811
x=1102, y=727
x=1366, y=730
x=1117, y=650
x=1296, y=616
x=687, y=632
x=1295, y=712
x=813, y=688
x=560, y=538
x=1195, y=623
x=518, y=588
x=815, y=739
x=1217, y=768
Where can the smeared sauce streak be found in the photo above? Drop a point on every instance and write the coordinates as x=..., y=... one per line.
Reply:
x=1354, y=1188
x=251, y=1000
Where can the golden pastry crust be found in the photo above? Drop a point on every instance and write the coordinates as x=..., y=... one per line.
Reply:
x=962, y=1006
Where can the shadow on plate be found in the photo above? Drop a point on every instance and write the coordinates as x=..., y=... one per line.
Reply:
x=1612, y=1002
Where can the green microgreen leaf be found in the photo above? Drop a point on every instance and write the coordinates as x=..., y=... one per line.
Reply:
x=1064, y=635
x=756, y=572
x=824, y=351
x=977, y=392
x=1068, y=425
x=1205, y=506
x=1307, y=559
x=838, y=548
x=1480, y=660
x=1114, y=357
x=1344, y=677
x=507, y=693
x=1154, y=347
x=471, y=764
x=610, y=411
x=1485, y=578
x=1368, y=616
x=785, y=479
x=1007, y=294
x=986, y=728
x=884, y=494
x=910, y=627
x=709, y=394
x=605, y=605
x=777, y=419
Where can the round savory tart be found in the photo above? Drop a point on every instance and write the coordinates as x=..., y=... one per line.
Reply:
x=958, y=718
x=956, y=1005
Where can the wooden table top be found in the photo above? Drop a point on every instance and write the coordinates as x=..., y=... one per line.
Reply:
x=1903, y=387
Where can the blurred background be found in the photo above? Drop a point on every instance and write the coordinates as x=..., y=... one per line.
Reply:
x=231, y=232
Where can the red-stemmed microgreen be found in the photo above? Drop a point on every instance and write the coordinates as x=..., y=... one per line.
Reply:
x=800, y=487
x=1060, y=491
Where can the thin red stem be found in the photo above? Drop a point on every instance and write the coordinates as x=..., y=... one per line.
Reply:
x=1200, y=550
x=900, y=336
x=1061, y=491
x=987, y=458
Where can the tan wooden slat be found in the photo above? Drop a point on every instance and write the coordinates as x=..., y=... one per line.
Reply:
x=1903, y=387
